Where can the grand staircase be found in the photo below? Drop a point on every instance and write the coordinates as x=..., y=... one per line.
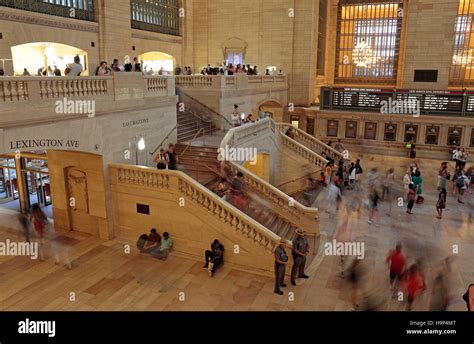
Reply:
x=202, y=164
x=190, y=126
x=197, y=119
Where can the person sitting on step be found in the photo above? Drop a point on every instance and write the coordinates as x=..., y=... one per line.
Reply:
x=148, y=243
x=214, y=257
x=163, y=250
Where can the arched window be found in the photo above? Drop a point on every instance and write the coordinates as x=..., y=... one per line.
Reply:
x=76, y=9
x=462, y=73
x=368, y=41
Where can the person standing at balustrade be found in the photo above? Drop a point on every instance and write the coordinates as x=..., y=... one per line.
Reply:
x=75, y=68
x=173, y=158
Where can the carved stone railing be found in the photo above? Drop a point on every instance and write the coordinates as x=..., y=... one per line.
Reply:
x=156, y=86
x=260, y=79
x=12, y=89
x=183, y=185
x=54, y=87
x=34, y=99
x=198, y=81
x=310, y=141
x=303, y=151
x=233, y=82
x=24, y=89
x=295, y=212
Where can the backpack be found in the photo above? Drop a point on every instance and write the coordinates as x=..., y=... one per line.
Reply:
x=460, y=182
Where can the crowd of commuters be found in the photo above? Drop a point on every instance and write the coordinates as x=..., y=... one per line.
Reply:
x=75, y=68
x=407, y=281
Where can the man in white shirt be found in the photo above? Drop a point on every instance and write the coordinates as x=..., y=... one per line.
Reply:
x=462, y=183
x=75, y=69
x=235, y=117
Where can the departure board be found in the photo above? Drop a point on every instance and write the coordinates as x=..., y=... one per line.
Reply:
x=372, y=99
x=470, y=103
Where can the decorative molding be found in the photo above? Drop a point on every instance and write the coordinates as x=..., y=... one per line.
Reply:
x=40, y=19
x=152, y=37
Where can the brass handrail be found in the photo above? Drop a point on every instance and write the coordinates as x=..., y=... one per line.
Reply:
x=166, y=138
x=194, y=138
x=295, y=180
x=181, y=92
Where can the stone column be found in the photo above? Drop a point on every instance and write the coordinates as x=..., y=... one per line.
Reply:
x=305, y=47
x=114, y=20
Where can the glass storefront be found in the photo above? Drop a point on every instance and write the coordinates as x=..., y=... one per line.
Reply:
x=8, y=181
x=24, y=182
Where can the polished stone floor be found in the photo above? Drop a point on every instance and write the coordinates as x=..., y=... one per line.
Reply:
x=104, y=277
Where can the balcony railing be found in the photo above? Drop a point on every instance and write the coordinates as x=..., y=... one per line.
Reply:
x=38, y=96
x=229, y=83
x=79, y=9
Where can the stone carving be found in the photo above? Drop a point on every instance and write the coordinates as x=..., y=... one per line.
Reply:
x=37, y=20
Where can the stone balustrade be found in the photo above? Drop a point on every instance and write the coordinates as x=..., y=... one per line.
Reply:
x=233, y=82
x=303, y=151
x=28, y=100
x=309, y=141
x=23, y=89
x=180, y=184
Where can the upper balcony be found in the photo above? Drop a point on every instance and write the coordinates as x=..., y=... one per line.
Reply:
x=232, y=85
x=28, y=100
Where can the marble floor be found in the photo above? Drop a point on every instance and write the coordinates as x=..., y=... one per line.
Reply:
x=105, y=277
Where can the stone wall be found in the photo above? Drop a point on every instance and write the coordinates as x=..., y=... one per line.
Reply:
x=429, y=44
x=276, y=33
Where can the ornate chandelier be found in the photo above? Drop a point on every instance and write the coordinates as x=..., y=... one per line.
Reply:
x=463, y=58
x=363, y=55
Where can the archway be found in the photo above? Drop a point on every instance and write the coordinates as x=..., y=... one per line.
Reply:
x=271, y=108
x=34, y=56
x=234, y=50
x=156, y=61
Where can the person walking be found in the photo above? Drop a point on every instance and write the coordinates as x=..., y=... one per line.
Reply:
x=39, y=222
x=23, y=218
x=411, y=198
x=462, y=184
x=442, y=176
x=406, y=182
x=281, y=260
x=396, y=261
x=418, y=184
x=387, y=183
x=300, y=251
x=414, y=284
x=441, y=204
